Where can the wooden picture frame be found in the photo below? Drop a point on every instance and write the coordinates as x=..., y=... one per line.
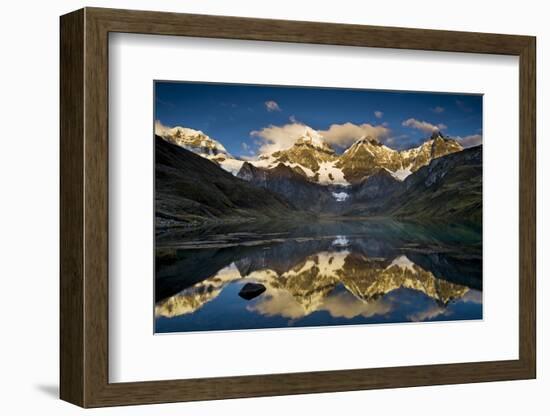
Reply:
x=84, y=207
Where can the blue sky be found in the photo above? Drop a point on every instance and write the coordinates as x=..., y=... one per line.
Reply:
x=248, y=119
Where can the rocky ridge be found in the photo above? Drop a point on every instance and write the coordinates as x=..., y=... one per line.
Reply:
x=313, y=158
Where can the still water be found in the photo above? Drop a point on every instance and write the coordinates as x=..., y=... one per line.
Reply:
x=316, y=274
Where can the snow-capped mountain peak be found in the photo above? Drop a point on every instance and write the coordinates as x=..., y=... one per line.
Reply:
x=436, y=146
x=368, y=140
x=437, y=135
x=194, y=140
x=183, y=131
x=314, y=139
x=370, y=144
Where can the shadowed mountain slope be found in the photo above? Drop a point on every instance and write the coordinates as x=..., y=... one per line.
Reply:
x=190, y=190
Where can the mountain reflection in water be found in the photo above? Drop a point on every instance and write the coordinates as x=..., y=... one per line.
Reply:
x=332, y=273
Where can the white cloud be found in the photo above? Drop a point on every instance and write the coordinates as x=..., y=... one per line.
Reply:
x=340, y=305
x=274, y=138
x=293, y=119
x=423, y=126
x=473, y=296
x=245, y=146
x=348, y=306
x=160, y=128
x=378, y=114
x=438, y=109
x=272, y=106
x=471, y=140
x=343, y=135
x=431, y=312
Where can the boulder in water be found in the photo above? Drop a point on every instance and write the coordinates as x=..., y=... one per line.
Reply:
x=251, y=290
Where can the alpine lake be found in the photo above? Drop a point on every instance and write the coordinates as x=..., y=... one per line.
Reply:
x=281, y=274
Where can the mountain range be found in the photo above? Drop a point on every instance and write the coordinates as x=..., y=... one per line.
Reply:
x=312, y=284
x=198, y=181
x=312, y=157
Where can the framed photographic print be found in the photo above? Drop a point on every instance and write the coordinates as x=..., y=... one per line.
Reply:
x=260, y=207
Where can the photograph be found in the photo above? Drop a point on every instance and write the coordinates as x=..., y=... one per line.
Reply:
x=298, y=206
x=250, y=208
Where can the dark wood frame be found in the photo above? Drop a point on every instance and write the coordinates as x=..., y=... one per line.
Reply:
x=84, y=208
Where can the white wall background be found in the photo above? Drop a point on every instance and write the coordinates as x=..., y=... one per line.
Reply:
x=29, y=85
